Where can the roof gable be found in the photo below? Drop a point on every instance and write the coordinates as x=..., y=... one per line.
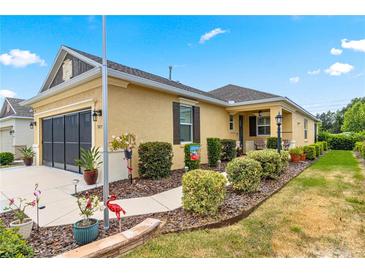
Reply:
x=12, y=107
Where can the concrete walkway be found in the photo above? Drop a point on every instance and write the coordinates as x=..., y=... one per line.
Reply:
x=61, y=207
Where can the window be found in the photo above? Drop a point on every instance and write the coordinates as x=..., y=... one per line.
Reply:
x=305, y=129
x=186, y=123
x=263, y=125
x=230, y=122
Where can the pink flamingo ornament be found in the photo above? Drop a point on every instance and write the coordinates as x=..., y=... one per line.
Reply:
x=117, y=209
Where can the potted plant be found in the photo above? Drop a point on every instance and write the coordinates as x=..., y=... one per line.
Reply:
x=27, y=155
x=87, y=229
x=90, y=162
x=295, y=154
x=22, y=222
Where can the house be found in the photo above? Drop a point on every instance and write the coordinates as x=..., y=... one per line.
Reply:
x=67, y=112
x=15, y=129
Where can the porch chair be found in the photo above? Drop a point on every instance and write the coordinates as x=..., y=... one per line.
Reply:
x=286, y=144
x=260, y=144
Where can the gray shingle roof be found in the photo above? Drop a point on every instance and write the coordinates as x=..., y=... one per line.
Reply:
x=240, y=94
x=143, y=74
x=20, y=111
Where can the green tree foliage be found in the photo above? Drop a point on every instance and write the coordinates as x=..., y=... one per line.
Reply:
x=354, y=118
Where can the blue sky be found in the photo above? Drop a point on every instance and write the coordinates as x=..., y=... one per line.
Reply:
x=268, y=53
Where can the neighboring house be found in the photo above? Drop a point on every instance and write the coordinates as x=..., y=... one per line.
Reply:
x=152, y=107
x=15, y=131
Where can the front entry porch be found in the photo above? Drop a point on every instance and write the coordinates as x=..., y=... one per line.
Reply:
x=255, y=126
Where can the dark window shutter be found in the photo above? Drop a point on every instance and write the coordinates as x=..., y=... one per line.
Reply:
x=196, y=125
x=252, y=124
x=176, y=122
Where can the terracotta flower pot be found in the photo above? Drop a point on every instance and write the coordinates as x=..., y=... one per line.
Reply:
x=303, y=157
x=28, y=161
x=25, y=228
x=91, y=176
x=295, y=158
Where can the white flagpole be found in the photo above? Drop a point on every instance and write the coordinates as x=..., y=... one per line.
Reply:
x=105, y=128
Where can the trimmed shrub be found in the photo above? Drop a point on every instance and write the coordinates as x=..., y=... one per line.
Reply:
x=341, y=142
x=228, y=149
x=270, y=162
x=358, y=146
x=214, y=151
x=317, y=148
x=272, y=143
x=321, y=147
x=191, y=164
x=155, y=160
x=244, y=174
x=284, y=157
x=325, y=145
x=6, y=158
x=203, y=191
x=12, y=244
x=310, y=152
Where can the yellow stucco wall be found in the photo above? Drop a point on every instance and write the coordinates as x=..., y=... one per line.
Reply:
x=148, y=114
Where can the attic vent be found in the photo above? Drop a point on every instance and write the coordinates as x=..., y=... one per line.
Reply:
x=231, y=102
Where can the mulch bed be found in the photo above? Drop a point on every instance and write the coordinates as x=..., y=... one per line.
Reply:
x=50, y=241
x=140, y=187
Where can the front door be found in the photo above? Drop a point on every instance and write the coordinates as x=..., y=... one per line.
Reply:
x=63, y=136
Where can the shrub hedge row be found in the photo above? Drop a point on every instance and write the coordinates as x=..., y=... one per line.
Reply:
x=341, y=141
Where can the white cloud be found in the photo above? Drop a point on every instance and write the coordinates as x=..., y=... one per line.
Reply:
x=314, y=72
x=356, y=45
x=335, y=51
x=7, y=93
x=339, y=68
x=294, y=79
x=20, y=58
x=209, y=35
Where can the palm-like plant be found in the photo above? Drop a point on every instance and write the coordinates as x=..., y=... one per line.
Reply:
x=89, y=159
x=27, y=152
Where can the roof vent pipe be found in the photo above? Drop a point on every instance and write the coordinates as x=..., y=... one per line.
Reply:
x=170, y=73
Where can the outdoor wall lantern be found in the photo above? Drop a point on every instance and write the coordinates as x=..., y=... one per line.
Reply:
x=260, y=113
x=32, y=124
x=12, y=131
x=279, y=120
x=96, y=113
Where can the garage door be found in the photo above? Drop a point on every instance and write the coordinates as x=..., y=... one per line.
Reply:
x=63, y=136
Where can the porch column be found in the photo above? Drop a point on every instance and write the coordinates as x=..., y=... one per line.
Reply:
x=273, y=127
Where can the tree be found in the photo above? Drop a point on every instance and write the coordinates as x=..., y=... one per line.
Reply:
x=354, y=117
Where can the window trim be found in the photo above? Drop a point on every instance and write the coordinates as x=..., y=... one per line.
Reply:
x=305, y=126
x=257, y=126
x=187, y=124
x=231, y=122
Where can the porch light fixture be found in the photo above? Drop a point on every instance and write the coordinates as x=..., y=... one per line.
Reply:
x=96, y=113
x=32, y=124
x=12, y=131
x=260, y=113
x=279, y=120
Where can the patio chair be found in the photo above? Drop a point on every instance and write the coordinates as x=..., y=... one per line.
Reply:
x=286, y=144
x=260, y=144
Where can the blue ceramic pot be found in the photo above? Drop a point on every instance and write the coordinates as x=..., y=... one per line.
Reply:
x=86, y=234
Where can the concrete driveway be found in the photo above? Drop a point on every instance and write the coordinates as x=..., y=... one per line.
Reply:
x=61, y=207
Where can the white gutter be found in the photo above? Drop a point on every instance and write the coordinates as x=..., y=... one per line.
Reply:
x=15, y=117
x=78, y=80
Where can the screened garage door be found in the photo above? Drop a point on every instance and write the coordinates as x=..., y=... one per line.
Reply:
x=63, y=136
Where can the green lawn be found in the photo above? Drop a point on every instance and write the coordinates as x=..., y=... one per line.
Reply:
x=319, y=213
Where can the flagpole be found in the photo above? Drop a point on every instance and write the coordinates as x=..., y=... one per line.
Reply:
x=105, y=128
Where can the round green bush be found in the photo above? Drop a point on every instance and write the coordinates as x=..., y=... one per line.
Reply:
x=191, y=164
x=284, y=157
x=203, y=191
x=6, y=158
x=228, y=149
x=310, y=152
x=244, y=174
x=214, y=151
x=272, y=142
x=12, y=244
x=341, y=142
x=270, y=161
x=155, y=160
x=318, y=149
